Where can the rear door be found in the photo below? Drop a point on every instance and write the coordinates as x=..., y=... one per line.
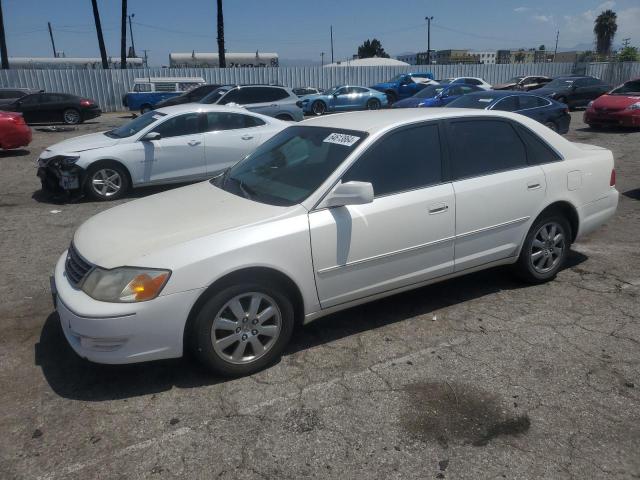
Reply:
x=229, y=137
x=179, y=153
x=30, y=106
x=404, y=236
x=496, y=190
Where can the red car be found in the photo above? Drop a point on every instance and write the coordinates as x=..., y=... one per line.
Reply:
x=621, y=107
x=14, y=132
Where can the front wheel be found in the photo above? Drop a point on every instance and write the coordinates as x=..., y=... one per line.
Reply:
x=391, y=97
x=318, y=107
x=545, y=249
x=106, y=182
x=71, y=116
x=373, y=104
x=242, y=329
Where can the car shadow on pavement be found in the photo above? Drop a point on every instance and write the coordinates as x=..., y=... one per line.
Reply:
x=633, y=194
x=60, y=198
x=610, y=129
x=75, y=378
x=13, y=153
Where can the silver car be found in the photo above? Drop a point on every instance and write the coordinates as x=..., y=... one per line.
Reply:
x=272, y=100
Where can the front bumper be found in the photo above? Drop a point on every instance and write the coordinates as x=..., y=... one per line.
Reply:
x=56, y=177
x=91, y=113
x=118, y=333
x=623, y=118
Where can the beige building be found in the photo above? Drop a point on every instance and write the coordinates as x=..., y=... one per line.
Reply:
x=449, y=57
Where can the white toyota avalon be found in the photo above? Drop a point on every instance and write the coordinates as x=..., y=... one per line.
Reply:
x=327, y=214
x=170, y=145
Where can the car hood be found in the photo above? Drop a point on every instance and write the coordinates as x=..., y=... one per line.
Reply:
x=616, y=102
x=80, y=144
x=126, y=234
x=504, y=86
x=314, y=96
x=409, y=102
x=550, y=91
x=384, y=86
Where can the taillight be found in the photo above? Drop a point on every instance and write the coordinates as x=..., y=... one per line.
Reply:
x=612, y=180
x=86, y=103
x=17, y=119
x=566, y=110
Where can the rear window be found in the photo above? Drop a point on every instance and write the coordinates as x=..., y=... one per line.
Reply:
x=165, y=87
x=538, y=151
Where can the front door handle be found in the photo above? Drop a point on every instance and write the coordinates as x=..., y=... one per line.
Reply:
x=246, y=137
x=439, y=208
x=533, y=186
x=274, y=104
x=193, y=143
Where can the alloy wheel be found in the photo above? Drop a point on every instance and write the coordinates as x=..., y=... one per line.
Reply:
x=318, y=108
x=71, y=116
x=106, y=182
x=246, y=328
x=548, y=247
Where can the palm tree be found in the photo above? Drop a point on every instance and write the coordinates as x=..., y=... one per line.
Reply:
x=605, y=28
x=3, y=43
x=123, y=36
x=222, y=63
x=96, y=18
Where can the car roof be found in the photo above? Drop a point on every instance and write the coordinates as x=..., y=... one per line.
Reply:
x=379, y=120
x=502, y=93
x=202, y=107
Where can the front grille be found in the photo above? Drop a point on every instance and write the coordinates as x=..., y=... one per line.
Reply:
x=76, y=267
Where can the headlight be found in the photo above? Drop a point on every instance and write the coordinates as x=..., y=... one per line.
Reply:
x=634, y=106
x=69, y=159
x=125, y=284
x=590, y=104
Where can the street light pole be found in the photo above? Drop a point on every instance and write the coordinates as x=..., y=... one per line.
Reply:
x=133, y=47
x=428, y=19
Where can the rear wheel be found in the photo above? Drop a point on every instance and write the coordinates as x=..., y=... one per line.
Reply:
x=545, y=248
x=71, y=116
x=242, y=329
x=106, y=182
x=373, y=104
x=318, y=107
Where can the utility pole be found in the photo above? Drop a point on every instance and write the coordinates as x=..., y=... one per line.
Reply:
x=555, y=52
x=322, y=58
x=53, y=44
x=222, y=61
x=133, y=47
x=123, y=36
x=145, y=62
x=428, y=19
x=331, y=43
x=96, y=18
x=626, y=42
x=3, y=43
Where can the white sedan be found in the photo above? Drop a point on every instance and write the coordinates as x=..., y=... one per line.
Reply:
x=169, y=145
x=477, y=81
x=330, y=213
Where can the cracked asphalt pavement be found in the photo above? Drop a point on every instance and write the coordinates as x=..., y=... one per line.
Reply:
x=478, y=377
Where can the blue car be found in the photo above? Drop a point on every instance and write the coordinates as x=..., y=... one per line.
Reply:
x=343, y=98
x=437, y=95
x=404, y=85
x=547, y=111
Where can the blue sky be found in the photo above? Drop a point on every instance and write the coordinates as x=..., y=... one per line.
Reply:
x=299, y=29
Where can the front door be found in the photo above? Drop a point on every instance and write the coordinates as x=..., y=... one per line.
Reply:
x=179, y=153
x=496, y=191
x=31, y=108
x=403, y=237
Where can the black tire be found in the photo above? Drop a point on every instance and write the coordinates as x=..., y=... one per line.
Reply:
x=391, y=97
x=71, y=116
x=93, y=173
x=525, y=267
x=285, y=117
x=373, y=104
x=552, y=125
x=318, y=107
x=145, y=108
x=202, y=331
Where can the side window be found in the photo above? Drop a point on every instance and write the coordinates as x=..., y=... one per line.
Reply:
x=527, y=101
x=481, y=147
x=471, y=81
x=581, y=82
x=187, y=124
x=217, y=121
x=342, y=91
x=402, y=160
x=250, y=121
x=31, y=99
x=507, y=104
x=360, y=90
x=142, y=87
x=538, y=151
x=542, y=102
x=232, y=96
x=279, y=94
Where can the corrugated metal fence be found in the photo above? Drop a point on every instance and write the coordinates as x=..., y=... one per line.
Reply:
x=108, y=86
x=614, y=73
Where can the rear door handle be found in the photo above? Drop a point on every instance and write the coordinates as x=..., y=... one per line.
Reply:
x=274, y=104
x=246, y=137
x=193, y=143
x=438, y=208
x=533, y=186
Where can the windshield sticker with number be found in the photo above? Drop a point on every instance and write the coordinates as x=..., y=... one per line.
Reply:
x=485, y=100
x=341, y=139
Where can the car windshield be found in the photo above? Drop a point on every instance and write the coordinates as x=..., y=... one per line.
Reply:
x=515, y=80
x=473, y=101
x=629, y=88
x=397, y=78
x=290, y=166
x=214, y=96
x=429, y=92
x=446, y=81
x=332, y=90
x=560, y=83
x=135, y=126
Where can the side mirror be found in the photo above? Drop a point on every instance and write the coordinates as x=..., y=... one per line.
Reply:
x=151, y=136
x=350, y=193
